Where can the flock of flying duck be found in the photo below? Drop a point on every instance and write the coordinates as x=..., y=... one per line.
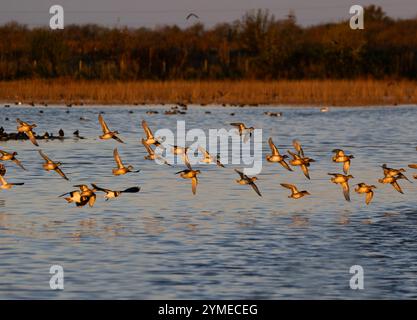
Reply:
x=87, y=195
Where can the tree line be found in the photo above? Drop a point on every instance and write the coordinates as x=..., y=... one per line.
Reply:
x=258, y=46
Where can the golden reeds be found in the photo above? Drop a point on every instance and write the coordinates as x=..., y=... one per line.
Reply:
x=300, y=92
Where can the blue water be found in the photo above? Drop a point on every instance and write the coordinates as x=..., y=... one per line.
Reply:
x=225, y=242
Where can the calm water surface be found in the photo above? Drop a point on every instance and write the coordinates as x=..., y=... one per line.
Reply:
x=225, y=242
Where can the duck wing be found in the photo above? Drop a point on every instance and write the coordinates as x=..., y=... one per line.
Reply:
x=103, y=124
x=369, y=197
x=148, y=131
x=148, y=147
x=45, y=157
x=255, y=187
x=346, y=191
x=118, y=159
x=274, y=149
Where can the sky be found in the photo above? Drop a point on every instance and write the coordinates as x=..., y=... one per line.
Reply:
x=151, y=13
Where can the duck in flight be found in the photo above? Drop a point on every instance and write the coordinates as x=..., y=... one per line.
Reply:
x=6, y=156
x=150, y=139
x=299, y=159
x=190, y=174
x=110, y=194
x=393, y=181
x=343, y=180
x=208, y=158
x=295, y=194
x=107, y=134
x=363, y=188
x=302, y=162
x=341, y=157
x=190, y=15
x=28, y=130
x=51, y=165
x=7, y=186
x=298, y=148
x=276, y=156
x=121, y=168
x=391, y=172
x=75, y=196
x=244, y=131
x=87, y=194
x=151, y=153
x=244, y=179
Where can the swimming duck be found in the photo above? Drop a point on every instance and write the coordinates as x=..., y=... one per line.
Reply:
x=152, y=155
x=366, y=189
x=88, y=193
x=276, y=156
x=75, y=196
x=343, y=181
x=190, y=174
x=208, y=158
x=150, y=139
x=244, y=179
x=121, y=169
x=393, y=181
x=5, y=156
x=27, y=128
x=243, y=130
x=107, y=134
x=2, y=169
x=340, y=156
x=51, y=165
x=390, y=172
x=295, y=194
x=110, y=194
x=303, y=162
x=7, y=186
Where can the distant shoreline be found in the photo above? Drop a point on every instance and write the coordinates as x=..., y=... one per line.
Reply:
x=325, y=93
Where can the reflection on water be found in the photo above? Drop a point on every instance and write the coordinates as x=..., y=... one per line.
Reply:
x=225, y=242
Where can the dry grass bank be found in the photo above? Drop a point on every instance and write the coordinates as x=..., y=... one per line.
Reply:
x=304, y=92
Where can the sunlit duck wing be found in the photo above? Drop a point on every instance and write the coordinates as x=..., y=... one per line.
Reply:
x=274, y=149
x=118, y=159
x=186, y=160
x=298, y=148
x=148, y=132
x=148, y=148
x=291, y=187
x=103, y=124
x=45, y=157
x=305, y=171
x=32, y=138
x=346, y=166
x=346, y=191
x=369, y=196
x=194, y=182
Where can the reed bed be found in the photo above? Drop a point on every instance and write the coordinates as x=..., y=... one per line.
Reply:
x=248, y=92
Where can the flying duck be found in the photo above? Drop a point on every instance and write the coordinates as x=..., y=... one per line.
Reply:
x=107, y=134
x=244, y=179
x=51, y=165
